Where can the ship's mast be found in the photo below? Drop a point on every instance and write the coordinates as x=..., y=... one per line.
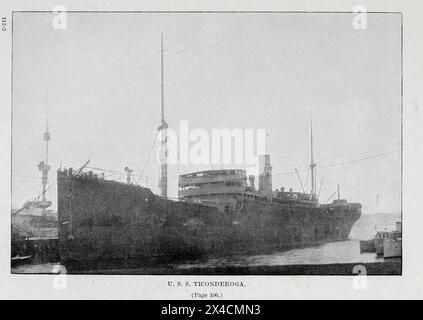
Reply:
x=44, y=167
x=378, y=208
x=312, y=164
x=163, y=133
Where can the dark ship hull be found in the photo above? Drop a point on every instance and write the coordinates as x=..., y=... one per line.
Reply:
x=106, y=224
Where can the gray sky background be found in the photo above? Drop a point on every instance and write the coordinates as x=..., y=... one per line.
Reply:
x=221, y=71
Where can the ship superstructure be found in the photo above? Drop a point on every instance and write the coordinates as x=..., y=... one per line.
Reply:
x=224, y=188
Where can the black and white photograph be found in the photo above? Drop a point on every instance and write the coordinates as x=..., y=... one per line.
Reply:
x=206, y=143
x=184, y=149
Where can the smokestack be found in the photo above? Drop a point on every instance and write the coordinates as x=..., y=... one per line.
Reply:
x=265, y=175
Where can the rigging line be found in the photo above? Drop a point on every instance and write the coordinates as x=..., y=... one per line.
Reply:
x=333, y=156
x=331, y=196
x=30, y=182
x=329, y=162
x=38, y=196
x=329, y=165
x=344, y=152
x=306, y=184
x=364, y=158
x=274, y=174
x=340, y=163
x=21, y=177
x=307, y=169
x=110, y=173
x=299, y=179
x=362, y=153
x=177, y=172
x=148, y=156
x=347, y=158
x=105, y=170
x=320, y=188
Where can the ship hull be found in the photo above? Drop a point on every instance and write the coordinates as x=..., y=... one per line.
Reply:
x=106, y=224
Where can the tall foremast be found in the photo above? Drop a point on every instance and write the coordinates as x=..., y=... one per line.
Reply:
x=312, y=163
x=162, y=132
x=44, y=167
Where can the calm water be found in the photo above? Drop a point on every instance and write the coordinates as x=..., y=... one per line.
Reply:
x=334, y=252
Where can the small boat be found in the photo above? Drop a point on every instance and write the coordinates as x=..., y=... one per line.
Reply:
x=17, y=260
x=392, y=248
x=378, y=240
x=386, y=244
x=367, y=246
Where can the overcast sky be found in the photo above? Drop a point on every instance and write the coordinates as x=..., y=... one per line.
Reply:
x=100, y=79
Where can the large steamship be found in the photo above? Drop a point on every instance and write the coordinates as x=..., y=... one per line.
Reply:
x=105, y=224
